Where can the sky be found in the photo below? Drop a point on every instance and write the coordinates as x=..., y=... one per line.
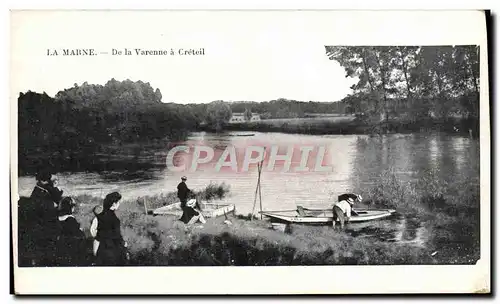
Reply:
x=249, y=55
x=244, y=59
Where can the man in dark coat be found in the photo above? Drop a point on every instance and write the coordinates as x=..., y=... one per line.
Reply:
x=43, y=221
x=183, y=191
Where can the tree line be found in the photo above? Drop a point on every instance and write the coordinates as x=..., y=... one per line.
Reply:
x=411, y=82
x=74, y=125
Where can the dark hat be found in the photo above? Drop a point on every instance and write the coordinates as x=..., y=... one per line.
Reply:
x=110, y=199
x=43, y=175
x=184, y=178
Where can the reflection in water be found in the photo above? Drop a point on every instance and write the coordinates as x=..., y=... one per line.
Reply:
x=357, y=162
x=459, y=145
x=397, y=228
x=434, y=152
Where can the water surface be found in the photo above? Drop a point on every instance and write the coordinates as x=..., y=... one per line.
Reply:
x=357, y=162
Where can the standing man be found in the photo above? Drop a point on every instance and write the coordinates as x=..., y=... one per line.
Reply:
x=183, y=191
x=44, y=223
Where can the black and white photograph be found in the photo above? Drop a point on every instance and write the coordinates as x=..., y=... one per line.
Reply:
x=190, y=141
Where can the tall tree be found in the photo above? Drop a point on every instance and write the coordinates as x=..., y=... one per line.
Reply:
x=218, y=114
x=422, y=81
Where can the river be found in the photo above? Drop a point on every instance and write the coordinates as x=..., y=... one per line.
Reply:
x=356, y=162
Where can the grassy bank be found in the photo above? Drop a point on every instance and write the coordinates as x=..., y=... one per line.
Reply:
x=452, y=218
x=449, y=211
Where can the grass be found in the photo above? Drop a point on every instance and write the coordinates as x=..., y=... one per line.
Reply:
x=166, y=241
x=449, y=212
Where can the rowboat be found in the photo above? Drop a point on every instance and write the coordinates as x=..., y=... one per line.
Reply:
x=209, y=210
x=323, y=216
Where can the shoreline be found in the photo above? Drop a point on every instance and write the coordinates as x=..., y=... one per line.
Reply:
x=165, y=241
x=319, y=126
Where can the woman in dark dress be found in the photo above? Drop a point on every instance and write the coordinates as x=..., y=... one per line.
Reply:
x=112, y=247
x=71, y=241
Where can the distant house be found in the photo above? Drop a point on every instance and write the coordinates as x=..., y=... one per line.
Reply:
x=240, y=117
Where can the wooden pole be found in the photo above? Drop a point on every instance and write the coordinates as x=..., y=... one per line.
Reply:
x=257, y=189
x=260, y=195
x=145, y=207
x=255, y=198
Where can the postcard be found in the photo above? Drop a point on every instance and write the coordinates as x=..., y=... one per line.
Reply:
x=250, y=152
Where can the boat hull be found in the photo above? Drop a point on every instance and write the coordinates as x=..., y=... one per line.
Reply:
x=325, y=216
x=209, y=210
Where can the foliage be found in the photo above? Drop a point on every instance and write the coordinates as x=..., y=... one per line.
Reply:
x=70, y=129
x=419, y=81
x=218, y=114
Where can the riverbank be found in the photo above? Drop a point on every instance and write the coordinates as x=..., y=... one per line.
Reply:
x=450, y=213
x=346, y=125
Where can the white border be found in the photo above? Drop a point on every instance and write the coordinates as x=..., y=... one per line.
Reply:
x=455, y=280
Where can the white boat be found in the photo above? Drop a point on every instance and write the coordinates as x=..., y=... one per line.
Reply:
x=209, y=210
x=324, y=216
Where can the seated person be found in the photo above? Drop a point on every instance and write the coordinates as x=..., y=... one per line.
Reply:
x=191, y=212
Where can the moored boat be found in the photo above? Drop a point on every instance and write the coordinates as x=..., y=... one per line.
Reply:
x=324, y=216
x=209, y=210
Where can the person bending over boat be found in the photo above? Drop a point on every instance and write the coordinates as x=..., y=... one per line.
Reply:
x=342, y=211
x=355, y=197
